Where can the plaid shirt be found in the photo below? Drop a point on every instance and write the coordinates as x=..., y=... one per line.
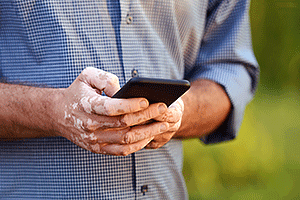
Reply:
x=51, y=42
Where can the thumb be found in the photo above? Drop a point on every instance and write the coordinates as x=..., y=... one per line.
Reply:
x=101, y=80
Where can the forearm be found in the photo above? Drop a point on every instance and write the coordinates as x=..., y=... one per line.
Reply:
x=206, y=106
x=24, y=111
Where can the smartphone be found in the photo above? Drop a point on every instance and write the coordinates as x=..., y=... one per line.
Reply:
x=154, y=90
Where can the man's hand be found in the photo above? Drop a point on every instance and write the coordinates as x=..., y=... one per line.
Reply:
x=173, y=117
x=206, y=106
x=106, y=125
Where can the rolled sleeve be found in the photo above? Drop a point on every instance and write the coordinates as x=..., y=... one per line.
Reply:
x=226, y=57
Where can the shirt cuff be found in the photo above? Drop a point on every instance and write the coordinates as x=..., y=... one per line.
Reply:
x=236, y=81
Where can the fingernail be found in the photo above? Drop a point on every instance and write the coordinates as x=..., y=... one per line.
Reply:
x=163, y=128
x=143, y=104
x=161, y=109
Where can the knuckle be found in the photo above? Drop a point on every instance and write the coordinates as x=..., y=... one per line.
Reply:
x=96, y=148
x=126, y=120
x=92, y=138
x=153, y=111
x=90, y=129
x=154, y=145
x=128, y=138
x=126, y=151
x=114, y=79
x=112, y=111
x=130, y=106
x=109, y=110
x=91, y=125
x=85, y=70
x=88, y=70
x=98, y=104
x=89, y=138
x=148, y=114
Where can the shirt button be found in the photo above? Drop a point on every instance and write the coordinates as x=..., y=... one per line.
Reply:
x=144, y=189
x=129, y=19
x=134, y=73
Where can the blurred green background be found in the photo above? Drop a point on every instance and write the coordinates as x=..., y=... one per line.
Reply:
x=264, y=161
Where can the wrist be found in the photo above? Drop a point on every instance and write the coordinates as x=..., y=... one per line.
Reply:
x=206, y=108
x=25, y=112
x=50, y=102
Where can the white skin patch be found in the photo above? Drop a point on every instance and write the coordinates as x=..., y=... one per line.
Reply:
x=74, y=105
x=92, y=125
x=84, y=136
x=76, y=121
x=78, y=142
x=88, y=100
x=93, y=137
x=96, y=147
x=86, y=104
x=66, y=115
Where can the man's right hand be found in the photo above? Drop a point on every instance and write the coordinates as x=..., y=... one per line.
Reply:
x=102, y=124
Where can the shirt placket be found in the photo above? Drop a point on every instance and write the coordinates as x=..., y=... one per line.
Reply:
x=128, y=40
x=130, y=53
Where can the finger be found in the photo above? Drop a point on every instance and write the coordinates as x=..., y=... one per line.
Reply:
x=113, y=107
x=93, y=122
x=120, y=150
x=89, y=122
x=178, y=104
x=138, y=133
x=112, y=136
x=174, y=112
x=130, y=135
x=142, y=116
x=101, y=80
x=160, y=140
x=103, y=105
x=171, y=115
x=174, y=126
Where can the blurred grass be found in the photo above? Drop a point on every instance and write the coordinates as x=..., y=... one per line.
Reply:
x=264, y=161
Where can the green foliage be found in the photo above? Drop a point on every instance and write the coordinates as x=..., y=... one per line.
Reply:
x=264, y=161
x=276, y=38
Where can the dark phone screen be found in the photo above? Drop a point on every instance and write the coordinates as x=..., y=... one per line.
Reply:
x=154, y=90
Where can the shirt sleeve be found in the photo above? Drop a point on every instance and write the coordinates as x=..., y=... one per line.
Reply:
x=226, y=57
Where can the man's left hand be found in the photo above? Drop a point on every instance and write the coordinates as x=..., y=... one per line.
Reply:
x=173, y=116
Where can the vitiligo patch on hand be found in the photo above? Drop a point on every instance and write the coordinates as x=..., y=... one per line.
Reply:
x=101, y=80
x=76, y=121
x=174, y=112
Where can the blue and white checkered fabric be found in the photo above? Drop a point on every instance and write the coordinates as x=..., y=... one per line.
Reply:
x=50, y=42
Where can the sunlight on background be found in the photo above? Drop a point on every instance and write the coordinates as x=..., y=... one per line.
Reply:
x=264, y=161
